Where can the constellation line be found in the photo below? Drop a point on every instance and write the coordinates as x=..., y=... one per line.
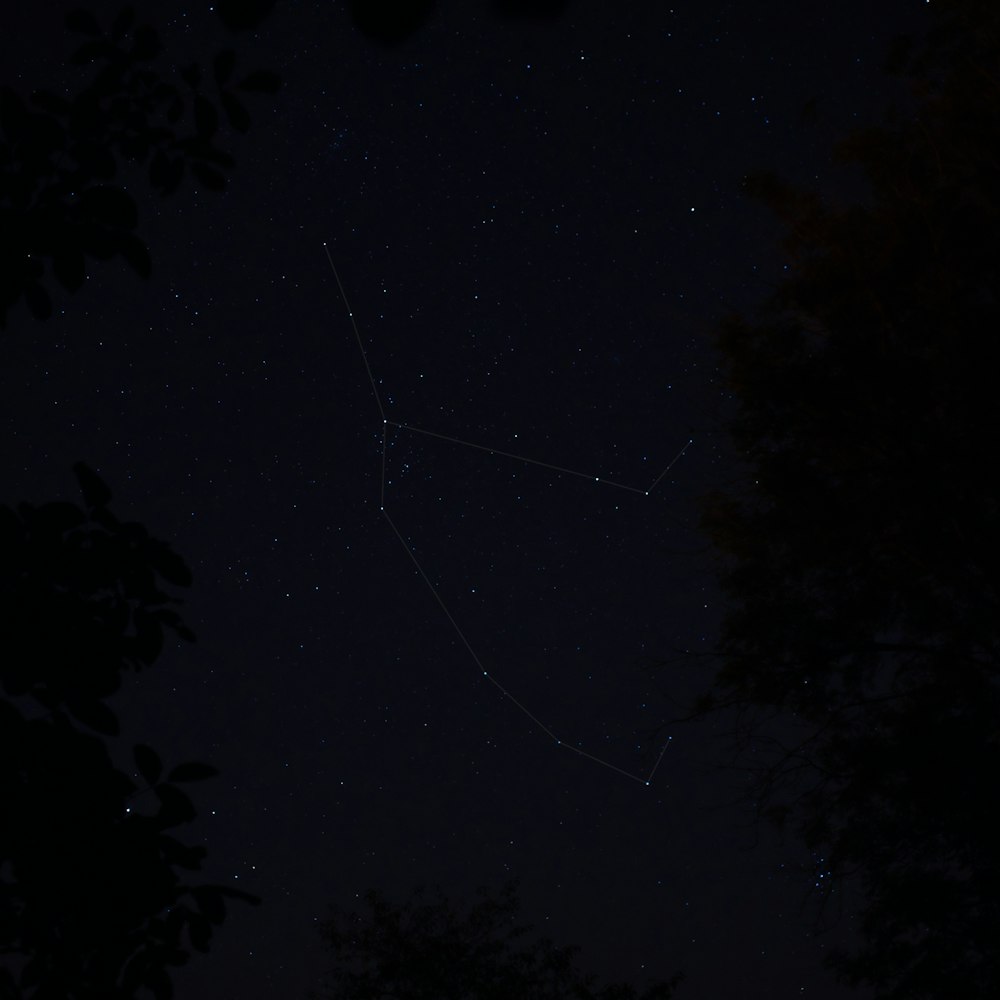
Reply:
x=381, y=496
x=669, y=467
x=350, y=313
x=424, y=576
x=520, y=458
x=461, y=635
x=597, y=760
x=658, y=759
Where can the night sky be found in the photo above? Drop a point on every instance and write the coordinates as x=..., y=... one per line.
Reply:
x=536, y=225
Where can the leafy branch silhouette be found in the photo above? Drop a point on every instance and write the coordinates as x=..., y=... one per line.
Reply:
x=58, y=155
x=91, y=902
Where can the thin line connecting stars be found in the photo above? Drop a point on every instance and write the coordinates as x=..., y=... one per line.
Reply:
x=386, y=423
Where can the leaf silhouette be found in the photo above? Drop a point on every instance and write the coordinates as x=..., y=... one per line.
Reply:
x=261, y=80
x=95, y=492
x=82, y=22
x=211, y=902
x=213, y=179
x=192, y=770
x=176, y=808
x=95, y=714
x=148, y=763
x=238, y=115
x=222, y=67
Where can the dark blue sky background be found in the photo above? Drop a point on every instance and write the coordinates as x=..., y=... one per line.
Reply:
x=536, y=224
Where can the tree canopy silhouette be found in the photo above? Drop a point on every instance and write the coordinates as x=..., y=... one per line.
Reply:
x=861, y=566
x=59, y=155
x=429, y=951
x=92, y=902
x=393, y=22
x=93, y=899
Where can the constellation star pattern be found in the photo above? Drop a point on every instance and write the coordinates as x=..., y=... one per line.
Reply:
x=386, y=423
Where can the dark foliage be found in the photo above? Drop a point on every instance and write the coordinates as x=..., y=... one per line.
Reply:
x=92, y=904
x=243, y=15
x=81, y=601
x=394, y=22
x=427, y=951
x=390, y=21
x=59, y=156
x=861, y=566
x=530, y=8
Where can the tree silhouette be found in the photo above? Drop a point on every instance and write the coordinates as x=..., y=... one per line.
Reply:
x=58, y=156
x=428, y=951
x=393, y=22
x=91, y=901
x=861, y=565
